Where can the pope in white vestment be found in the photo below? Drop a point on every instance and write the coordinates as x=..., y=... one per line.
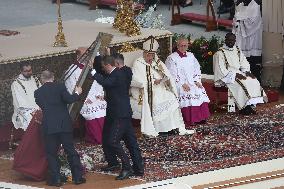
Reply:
x=23, y=97
x=186, y=72
x=233, y=70
x=153, y=94
x=94, y=107
x=248, y=28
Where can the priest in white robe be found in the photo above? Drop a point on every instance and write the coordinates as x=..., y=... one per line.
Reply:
x=23, y=88
x=233, y=70
x=94, y=107
x=153, y=94
x=185, y=70
x=248, y=28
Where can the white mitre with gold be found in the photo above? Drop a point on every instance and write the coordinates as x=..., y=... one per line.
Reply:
x=151, y=45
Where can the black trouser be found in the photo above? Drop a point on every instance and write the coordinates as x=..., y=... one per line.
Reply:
x=52, y=144
x=114, y=131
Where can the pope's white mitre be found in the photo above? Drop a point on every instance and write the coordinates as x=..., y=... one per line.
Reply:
x=151, y=45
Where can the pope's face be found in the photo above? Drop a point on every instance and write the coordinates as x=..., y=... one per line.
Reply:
x=149, y=57
x=182, y=45
x=27, y=71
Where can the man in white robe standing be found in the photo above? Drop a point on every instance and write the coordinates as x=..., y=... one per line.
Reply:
x=153, y=87
x=186, y=72
x=23, y=88
x=248, y=28
x=232, y=69
x=94, y=107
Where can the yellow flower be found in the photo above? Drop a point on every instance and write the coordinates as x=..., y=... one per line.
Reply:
x=210, y=53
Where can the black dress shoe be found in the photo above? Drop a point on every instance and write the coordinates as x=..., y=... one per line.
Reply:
x=124, y=174
x=138, y=173
x=80, y=181
x=57, y=184
x=110, y=168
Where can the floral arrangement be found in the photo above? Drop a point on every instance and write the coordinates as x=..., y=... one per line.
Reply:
x=203, y=50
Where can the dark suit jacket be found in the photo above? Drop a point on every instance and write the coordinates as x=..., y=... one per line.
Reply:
x=117, y=94
x=128, y=74
x=53, y=98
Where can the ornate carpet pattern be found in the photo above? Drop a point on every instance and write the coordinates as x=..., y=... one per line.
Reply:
x=225, y=141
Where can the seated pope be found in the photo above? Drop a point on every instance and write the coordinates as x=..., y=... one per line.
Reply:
x=154, y=97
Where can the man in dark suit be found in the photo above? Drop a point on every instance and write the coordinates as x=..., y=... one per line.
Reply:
x=119, y=63
x=57, y=129
x=118, y=125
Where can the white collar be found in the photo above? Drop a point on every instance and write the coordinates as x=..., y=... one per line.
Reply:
x=112, y=70
x=23, y=78
x=228, y=48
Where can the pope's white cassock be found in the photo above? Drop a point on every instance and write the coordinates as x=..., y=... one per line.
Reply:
x=94, y=108
x=248, y=28
x=229, y=61
x=159, y=105
x=185, y=69
x=23, y=100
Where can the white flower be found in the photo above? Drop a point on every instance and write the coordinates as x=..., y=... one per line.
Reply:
x=87, y=162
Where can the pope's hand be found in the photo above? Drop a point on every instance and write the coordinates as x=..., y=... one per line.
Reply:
x=185, y=87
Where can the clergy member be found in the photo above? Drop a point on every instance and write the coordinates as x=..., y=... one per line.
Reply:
x=23, y=88
x=153, y=87
x=186, y=72
x=232, y=69
x=94, y=107
x=248, y=28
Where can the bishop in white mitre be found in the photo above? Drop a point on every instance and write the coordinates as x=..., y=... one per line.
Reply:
x=186, y=72
x=248, y=28
x=94, y=107
x=23, y=88
x=232, y=69
x=154, y=90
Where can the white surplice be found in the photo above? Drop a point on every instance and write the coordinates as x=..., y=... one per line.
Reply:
x=97, y=107
x=186, y=70
x=165, y=114
x=23, y=100
x=229, y=61
x=248, y=28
